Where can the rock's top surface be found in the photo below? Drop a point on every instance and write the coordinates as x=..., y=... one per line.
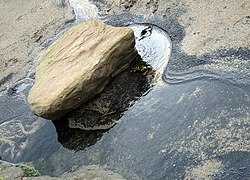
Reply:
x=78, y=66
x=93, y=172
x=10, y=171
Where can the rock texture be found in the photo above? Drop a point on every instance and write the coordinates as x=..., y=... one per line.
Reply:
x=10, y=171
x=93, y=172
x=103, y=111
x=78, y=66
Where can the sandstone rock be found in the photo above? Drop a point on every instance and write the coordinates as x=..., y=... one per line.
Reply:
x=11, y=171
x=103, y=111
x=85, y=173
x=42, y=178
x=93, y=172
x=78, y=66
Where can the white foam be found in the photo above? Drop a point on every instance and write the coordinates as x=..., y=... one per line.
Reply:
x=84, y=10
x=154, y=47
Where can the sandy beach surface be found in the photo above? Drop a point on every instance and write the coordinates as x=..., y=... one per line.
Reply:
x=25, y=29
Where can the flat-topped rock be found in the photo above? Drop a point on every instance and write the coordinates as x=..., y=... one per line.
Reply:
x=78, y=66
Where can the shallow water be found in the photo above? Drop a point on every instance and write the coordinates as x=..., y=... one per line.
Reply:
x=199, y=114
x=153, y=45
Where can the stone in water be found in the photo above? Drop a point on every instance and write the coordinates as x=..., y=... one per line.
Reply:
x=78, y=66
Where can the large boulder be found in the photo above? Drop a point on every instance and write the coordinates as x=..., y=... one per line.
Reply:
x=78, y=66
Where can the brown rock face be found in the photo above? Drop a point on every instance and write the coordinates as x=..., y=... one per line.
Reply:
x=78, y=66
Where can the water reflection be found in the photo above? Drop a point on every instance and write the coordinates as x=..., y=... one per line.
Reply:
x=85, y=125
x=76, y=139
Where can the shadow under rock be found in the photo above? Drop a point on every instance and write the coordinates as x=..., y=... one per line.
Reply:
x=84, y=126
